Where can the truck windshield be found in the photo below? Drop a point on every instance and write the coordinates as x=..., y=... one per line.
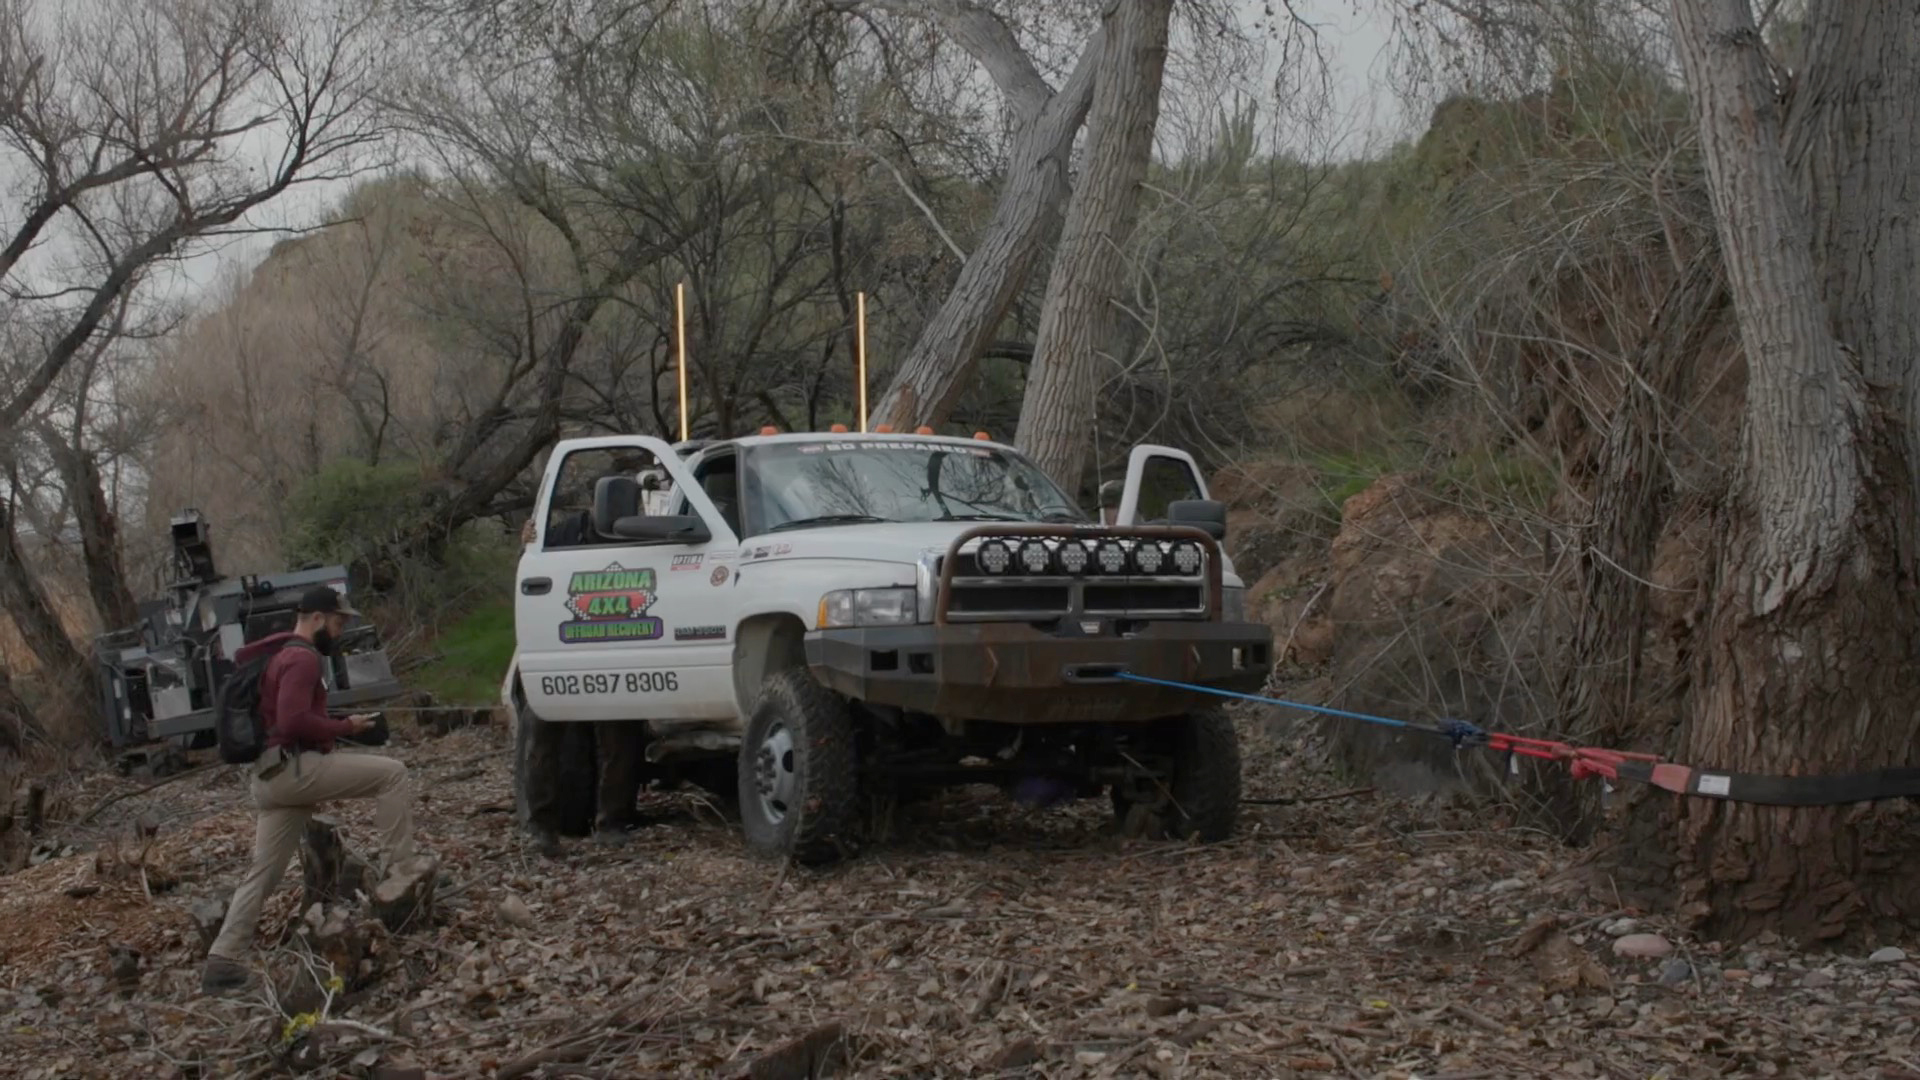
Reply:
x=826, y=483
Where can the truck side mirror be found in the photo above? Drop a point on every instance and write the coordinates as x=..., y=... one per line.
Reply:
x=682, y=528
x=1207, y=515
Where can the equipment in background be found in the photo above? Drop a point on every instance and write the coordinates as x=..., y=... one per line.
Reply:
x=160, y=679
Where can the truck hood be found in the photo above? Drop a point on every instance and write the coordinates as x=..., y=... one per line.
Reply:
x=897, y=543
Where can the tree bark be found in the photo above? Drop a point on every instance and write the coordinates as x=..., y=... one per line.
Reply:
x=1632, y=489
x=1807, y=663
x=28, y=606
x=929, y=381
x=99, y=532
x=17, y=721
x=1853, y=111
x=1076, y=319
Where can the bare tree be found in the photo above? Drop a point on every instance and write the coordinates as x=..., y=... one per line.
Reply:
x=142, y=132
x=1077, y=317
x=1807, y=663
x=929, y=380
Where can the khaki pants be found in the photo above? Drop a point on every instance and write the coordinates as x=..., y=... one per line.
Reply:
x=285, y=802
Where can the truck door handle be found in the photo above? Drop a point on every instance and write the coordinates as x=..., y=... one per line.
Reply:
x=536, y=586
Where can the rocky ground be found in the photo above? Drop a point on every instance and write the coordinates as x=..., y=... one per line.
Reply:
x=1350, y=936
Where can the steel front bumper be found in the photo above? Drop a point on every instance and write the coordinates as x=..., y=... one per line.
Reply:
x=1015, y=673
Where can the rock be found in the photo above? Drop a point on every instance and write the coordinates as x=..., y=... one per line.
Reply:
x=1816, y=980
x=340, y=940
x=208, y=913
x=1762, y=981
x=1642, y=945
x=1888, y=955
x=514, y=911
x=1622, y=927
x=405, y=898
x=1675, y=971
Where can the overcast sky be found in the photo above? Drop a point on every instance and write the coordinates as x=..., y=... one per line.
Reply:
x=1366, y=117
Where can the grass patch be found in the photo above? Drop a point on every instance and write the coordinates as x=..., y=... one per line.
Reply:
x=1342, y=476
x=1500, y=479
x=473, y=656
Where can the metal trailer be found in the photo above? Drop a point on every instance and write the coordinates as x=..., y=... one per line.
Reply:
x=161, y=677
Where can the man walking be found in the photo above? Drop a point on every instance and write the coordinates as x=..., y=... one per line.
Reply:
x=299, y=769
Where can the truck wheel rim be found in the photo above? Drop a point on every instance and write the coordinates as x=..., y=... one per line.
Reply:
x=774, y=779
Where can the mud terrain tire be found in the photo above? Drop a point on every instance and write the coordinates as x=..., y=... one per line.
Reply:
x=1204, y=790
x=799, y=784
x=576, y=772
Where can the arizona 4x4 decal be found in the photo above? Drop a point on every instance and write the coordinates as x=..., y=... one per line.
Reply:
x=610, y=605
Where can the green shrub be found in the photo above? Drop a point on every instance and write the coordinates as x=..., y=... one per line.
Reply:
x=471, y=655
x=353, y=513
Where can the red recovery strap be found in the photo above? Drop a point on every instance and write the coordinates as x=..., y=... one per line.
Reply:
x=1588, y=761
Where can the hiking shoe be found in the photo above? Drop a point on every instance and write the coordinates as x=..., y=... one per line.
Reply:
x=224, y=976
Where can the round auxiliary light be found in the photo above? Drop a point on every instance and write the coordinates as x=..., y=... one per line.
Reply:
x=1148, y=558
x=1072, y=557
x=1110, y=557
x=994, y=557
x=1187, y=558
x=1034, y=557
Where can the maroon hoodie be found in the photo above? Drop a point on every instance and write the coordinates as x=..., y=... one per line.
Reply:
x=293, y=700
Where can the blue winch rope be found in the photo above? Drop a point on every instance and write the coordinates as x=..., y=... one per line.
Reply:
x=1459, y=731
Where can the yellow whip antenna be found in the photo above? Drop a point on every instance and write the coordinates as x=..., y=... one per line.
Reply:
x=680, y=339
x=860, y=353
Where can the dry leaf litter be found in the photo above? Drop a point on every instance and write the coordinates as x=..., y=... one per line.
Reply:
x=1350, y=937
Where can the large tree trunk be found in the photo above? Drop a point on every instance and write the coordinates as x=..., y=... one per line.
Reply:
x=930, y=380
x=27, y=604
x=1807, y=663
x=1076, y=320
x=99, y=534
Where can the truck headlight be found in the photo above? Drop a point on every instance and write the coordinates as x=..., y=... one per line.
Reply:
x=868, y=607
x=1233, y=603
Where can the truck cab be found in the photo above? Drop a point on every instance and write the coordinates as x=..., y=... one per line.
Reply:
x=830, y=616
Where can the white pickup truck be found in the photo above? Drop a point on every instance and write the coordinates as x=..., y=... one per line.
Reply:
x=816, y=619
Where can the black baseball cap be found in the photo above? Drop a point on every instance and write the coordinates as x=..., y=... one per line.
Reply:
x=324, y=599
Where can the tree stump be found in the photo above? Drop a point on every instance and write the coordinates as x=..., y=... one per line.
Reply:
x=405, y=897
x=331, y=873
x=346, y=943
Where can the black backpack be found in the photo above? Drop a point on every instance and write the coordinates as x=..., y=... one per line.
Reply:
x=237, y=725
